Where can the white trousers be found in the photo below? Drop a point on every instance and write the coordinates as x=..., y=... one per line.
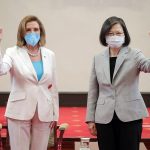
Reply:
x=28, y=134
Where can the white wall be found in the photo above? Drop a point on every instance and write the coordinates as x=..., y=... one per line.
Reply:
x=72, y=28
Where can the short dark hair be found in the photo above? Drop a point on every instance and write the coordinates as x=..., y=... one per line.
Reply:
x=108, y=25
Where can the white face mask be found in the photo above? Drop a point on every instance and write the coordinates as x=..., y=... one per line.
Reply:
x=115, y=41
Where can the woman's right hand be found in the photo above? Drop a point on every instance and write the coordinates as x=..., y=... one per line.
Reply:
x=53, y=124
x=92, y=128
x=1, y=33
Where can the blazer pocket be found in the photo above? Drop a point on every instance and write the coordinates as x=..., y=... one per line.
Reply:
x=49, y=98
x=17, y=96
x=133, y=97
x=131, y=100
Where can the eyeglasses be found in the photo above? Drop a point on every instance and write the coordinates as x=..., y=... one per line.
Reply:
x=112, y=34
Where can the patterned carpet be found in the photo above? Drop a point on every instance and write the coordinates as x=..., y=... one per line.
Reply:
x=75, y=117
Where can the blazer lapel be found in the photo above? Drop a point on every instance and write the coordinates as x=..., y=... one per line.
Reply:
x=27, y=61
x=120, y=59
x=44, y=62
x=106, y=64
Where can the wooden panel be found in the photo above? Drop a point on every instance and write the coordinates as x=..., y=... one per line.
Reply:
x=72, y=99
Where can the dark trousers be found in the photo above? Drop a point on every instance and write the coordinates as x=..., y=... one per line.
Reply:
x=118, y=135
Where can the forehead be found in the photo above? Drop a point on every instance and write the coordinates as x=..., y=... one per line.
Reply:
x=116, y=27
x=32, y=24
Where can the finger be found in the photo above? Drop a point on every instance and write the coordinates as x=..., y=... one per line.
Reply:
x=93, y=132
x=90, y=126
x=51, y=125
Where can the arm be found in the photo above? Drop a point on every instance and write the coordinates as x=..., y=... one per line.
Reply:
x=55, y=91
x=143, y=63
x=92, y=101
x=92, y=95
x=5, y=63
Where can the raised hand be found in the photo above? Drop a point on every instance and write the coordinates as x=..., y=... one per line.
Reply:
x=1, y=33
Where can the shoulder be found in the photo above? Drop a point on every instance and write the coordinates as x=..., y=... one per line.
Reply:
x=102, y=53
x=133, y=50
x=12, y=50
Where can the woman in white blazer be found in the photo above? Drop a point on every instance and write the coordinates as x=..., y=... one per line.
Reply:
x=32, y=106
x=115, y=107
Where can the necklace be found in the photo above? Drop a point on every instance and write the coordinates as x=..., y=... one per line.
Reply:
x=33, y=54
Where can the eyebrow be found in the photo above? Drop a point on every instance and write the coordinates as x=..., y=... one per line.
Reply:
x=32, y=28
x=28, y=29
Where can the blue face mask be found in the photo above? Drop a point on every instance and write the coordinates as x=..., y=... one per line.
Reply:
x=32, y=38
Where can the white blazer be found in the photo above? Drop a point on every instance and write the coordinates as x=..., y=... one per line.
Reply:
x=27, y=92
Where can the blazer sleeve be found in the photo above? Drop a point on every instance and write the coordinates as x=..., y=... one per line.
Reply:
x=5, y=63
x=92, y=95
x=142, y=62
x=55, y=91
